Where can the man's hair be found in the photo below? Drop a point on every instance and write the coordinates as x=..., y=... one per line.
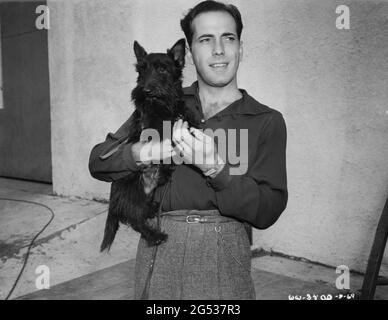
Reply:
x=209, y=6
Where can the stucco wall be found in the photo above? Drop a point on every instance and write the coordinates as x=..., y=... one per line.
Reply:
x=330, y=85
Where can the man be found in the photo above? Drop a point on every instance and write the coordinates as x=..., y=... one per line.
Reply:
x=209, y=257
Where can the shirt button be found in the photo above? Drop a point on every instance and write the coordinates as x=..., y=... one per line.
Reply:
x=202, y=120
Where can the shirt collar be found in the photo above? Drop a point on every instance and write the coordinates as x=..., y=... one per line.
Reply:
x=246, y=105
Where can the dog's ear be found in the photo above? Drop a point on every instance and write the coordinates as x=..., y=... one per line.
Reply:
x=178, y=51
x=139, y=51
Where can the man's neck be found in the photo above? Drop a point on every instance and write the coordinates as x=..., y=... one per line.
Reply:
x=215, y=99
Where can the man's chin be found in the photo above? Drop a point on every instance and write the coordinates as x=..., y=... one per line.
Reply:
x=220, y=82
x=217, y=81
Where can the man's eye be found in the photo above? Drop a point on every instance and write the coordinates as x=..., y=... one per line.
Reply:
x=204, y=40
x=230, y=38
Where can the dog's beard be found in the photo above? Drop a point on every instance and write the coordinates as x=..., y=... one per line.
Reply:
x=159, y=105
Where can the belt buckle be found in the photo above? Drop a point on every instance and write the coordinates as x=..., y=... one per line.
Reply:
x=195, y=218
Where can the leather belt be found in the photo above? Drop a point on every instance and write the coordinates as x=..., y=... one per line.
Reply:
x=195, y=218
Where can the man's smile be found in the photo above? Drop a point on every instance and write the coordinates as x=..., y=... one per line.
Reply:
x=219, y=65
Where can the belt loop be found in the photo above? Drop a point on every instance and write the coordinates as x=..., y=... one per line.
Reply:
x=217, y=229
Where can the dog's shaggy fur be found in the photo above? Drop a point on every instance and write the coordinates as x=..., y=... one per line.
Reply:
x=157, y=98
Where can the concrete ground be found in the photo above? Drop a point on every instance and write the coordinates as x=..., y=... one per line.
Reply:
x=69, y=247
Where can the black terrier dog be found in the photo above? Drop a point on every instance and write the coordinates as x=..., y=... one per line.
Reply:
x=157, y=98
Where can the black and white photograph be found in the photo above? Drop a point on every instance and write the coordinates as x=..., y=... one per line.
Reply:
x=212, y=151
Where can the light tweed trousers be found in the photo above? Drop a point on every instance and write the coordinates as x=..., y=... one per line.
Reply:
x=207, y=260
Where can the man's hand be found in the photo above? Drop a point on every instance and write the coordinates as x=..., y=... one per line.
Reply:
x=196, y=148
x=145, y=152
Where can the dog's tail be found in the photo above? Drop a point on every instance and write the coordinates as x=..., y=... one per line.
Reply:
x=111, y=227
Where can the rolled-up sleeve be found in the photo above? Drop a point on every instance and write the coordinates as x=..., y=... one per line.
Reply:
x=260, y=196
x=112, y=159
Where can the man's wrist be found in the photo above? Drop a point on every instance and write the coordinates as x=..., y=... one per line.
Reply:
x=220, y=180
x=211, y=171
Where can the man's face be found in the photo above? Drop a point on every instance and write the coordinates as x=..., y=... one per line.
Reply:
x=215, y=49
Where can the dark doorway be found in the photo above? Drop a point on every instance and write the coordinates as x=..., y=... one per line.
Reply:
x=25, y=135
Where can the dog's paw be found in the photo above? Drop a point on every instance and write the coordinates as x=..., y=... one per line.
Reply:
x=157, y=239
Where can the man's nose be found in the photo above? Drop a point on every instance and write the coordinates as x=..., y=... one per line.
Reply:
x=218, y=48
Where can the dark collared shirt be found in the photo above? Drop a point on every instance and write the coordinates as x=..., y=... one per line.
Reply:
x=258, y=196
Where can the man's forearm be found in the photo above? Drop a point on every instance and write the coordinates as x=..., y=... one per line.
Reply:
x=110, y=161
x=259, y=204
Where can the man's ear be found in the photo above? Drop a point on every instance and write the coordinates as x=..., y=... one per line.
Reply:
x=177, y=52
x=139, y=51
x=241, y=51
x=189, y=56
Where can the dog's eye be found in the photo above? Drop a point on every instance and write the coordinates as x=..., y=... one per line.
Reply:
x=141, y=67
x=162, y=69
